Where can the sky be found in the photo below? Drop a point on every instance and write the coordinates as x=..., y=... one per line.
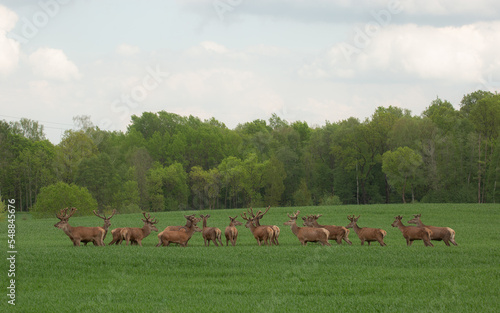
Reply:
x=240, y=60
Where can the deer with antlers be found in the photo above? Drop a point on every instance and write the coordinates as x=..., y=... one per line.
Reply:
x=411, y=233
x=365, y=233
x=210, y=233
x=189, y=222
x=258, y=217
x=180, y=236
x=337, y=233
x=136, y=234
x=308, y=234
x=231, y=231
x=80, y=233
x=445, y=234
x=107, y=223
x=263, y=234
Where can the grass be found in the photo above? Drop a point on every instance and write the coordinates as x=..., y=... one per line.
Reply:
x=54, y=276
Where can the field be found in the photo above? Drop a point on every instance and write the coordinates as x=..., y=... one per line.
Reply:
x=54, y=276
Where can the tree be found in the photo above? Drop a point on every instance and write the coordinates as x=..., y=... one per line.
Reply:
x=401, y=167
x=273, y=178
x=167, y=186
x=73, y=148
x=485, y=116
x=99, y=176
x=60, y=195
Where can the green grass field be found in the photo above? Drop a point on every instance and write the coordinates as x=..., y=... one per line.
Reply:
x=54, y=276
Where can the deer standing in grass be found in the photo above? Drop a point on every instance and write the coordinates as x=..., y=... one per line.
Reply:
x=445, y=234
x=337, y=233
x=231, y=231
x=107, y=223
x=180, y=236
x=136, y=234
x=256, y=220
x=210, y=233
x=80, y=233
x=412, y=233
x=189, y=221
x=308, y=234
x=365, y=233
x=263, y=234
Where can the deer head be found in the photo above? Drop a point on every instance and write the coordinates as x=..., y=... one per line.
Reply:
x=397, y=221
x=415, y=219
x=64, y=217
x=148, y=221
x=293, y=219
x=353, y=220
x=107, y=223
x=234, y=222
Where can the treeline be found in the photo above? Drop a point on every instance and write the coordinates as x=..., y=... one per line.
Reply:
x=169, y=162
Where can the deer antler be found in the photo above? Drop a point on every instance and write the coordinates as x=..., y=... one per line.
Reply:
x=61, y=215
x=244, y=216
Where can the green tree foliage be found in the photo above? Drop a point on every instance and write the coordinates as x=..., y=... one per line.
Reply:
x=402, y=168
x=166, y=161
x=168, y=188
x=60, y=195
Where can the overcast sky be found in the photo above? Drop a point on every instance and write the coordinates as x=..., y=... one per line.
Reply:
x=240, y=60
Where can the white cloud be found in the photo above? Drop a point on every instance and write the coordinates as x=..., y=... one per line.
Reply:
x=9, y=48
x=53, y=64
x=454, y=54
x=127, y=50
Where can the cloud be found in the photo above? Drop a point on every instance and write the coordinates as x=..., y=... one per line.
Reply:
x=430, y=12
x=53, y=64
x=455, y=54
x=9, y=48
x=127, y=50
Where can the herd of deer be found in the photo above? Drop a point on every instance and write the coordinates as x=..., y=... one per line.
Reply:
x=264, y=234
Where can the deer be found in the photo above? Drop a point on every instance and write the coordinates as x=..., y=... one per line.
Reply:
x=256, y=220
x=263, y=234
x=107, y=223
x=136, y=234
x=180, y=236
x=231, y=231
x=117, y=236
x=337, y=233
x=308, y=234
x=80, y=233
x=366, y=233
x=189, y=220
x=210, y=233
x=412, y=233
x=445, y=234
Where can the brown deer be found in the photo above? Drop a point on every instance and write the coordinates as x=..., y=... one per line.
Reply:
x=231, y=231
x=181, y=236
x=263, y=234
x=256, y=220
x=80, y=233
x=107, y=223
x=445, y=234
x=308, y=234
x=136, y=234
x=337, y=233
x=365, y=233
x=189, y=220
x=117, y=236
x=412, y=232
x=210, y=233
